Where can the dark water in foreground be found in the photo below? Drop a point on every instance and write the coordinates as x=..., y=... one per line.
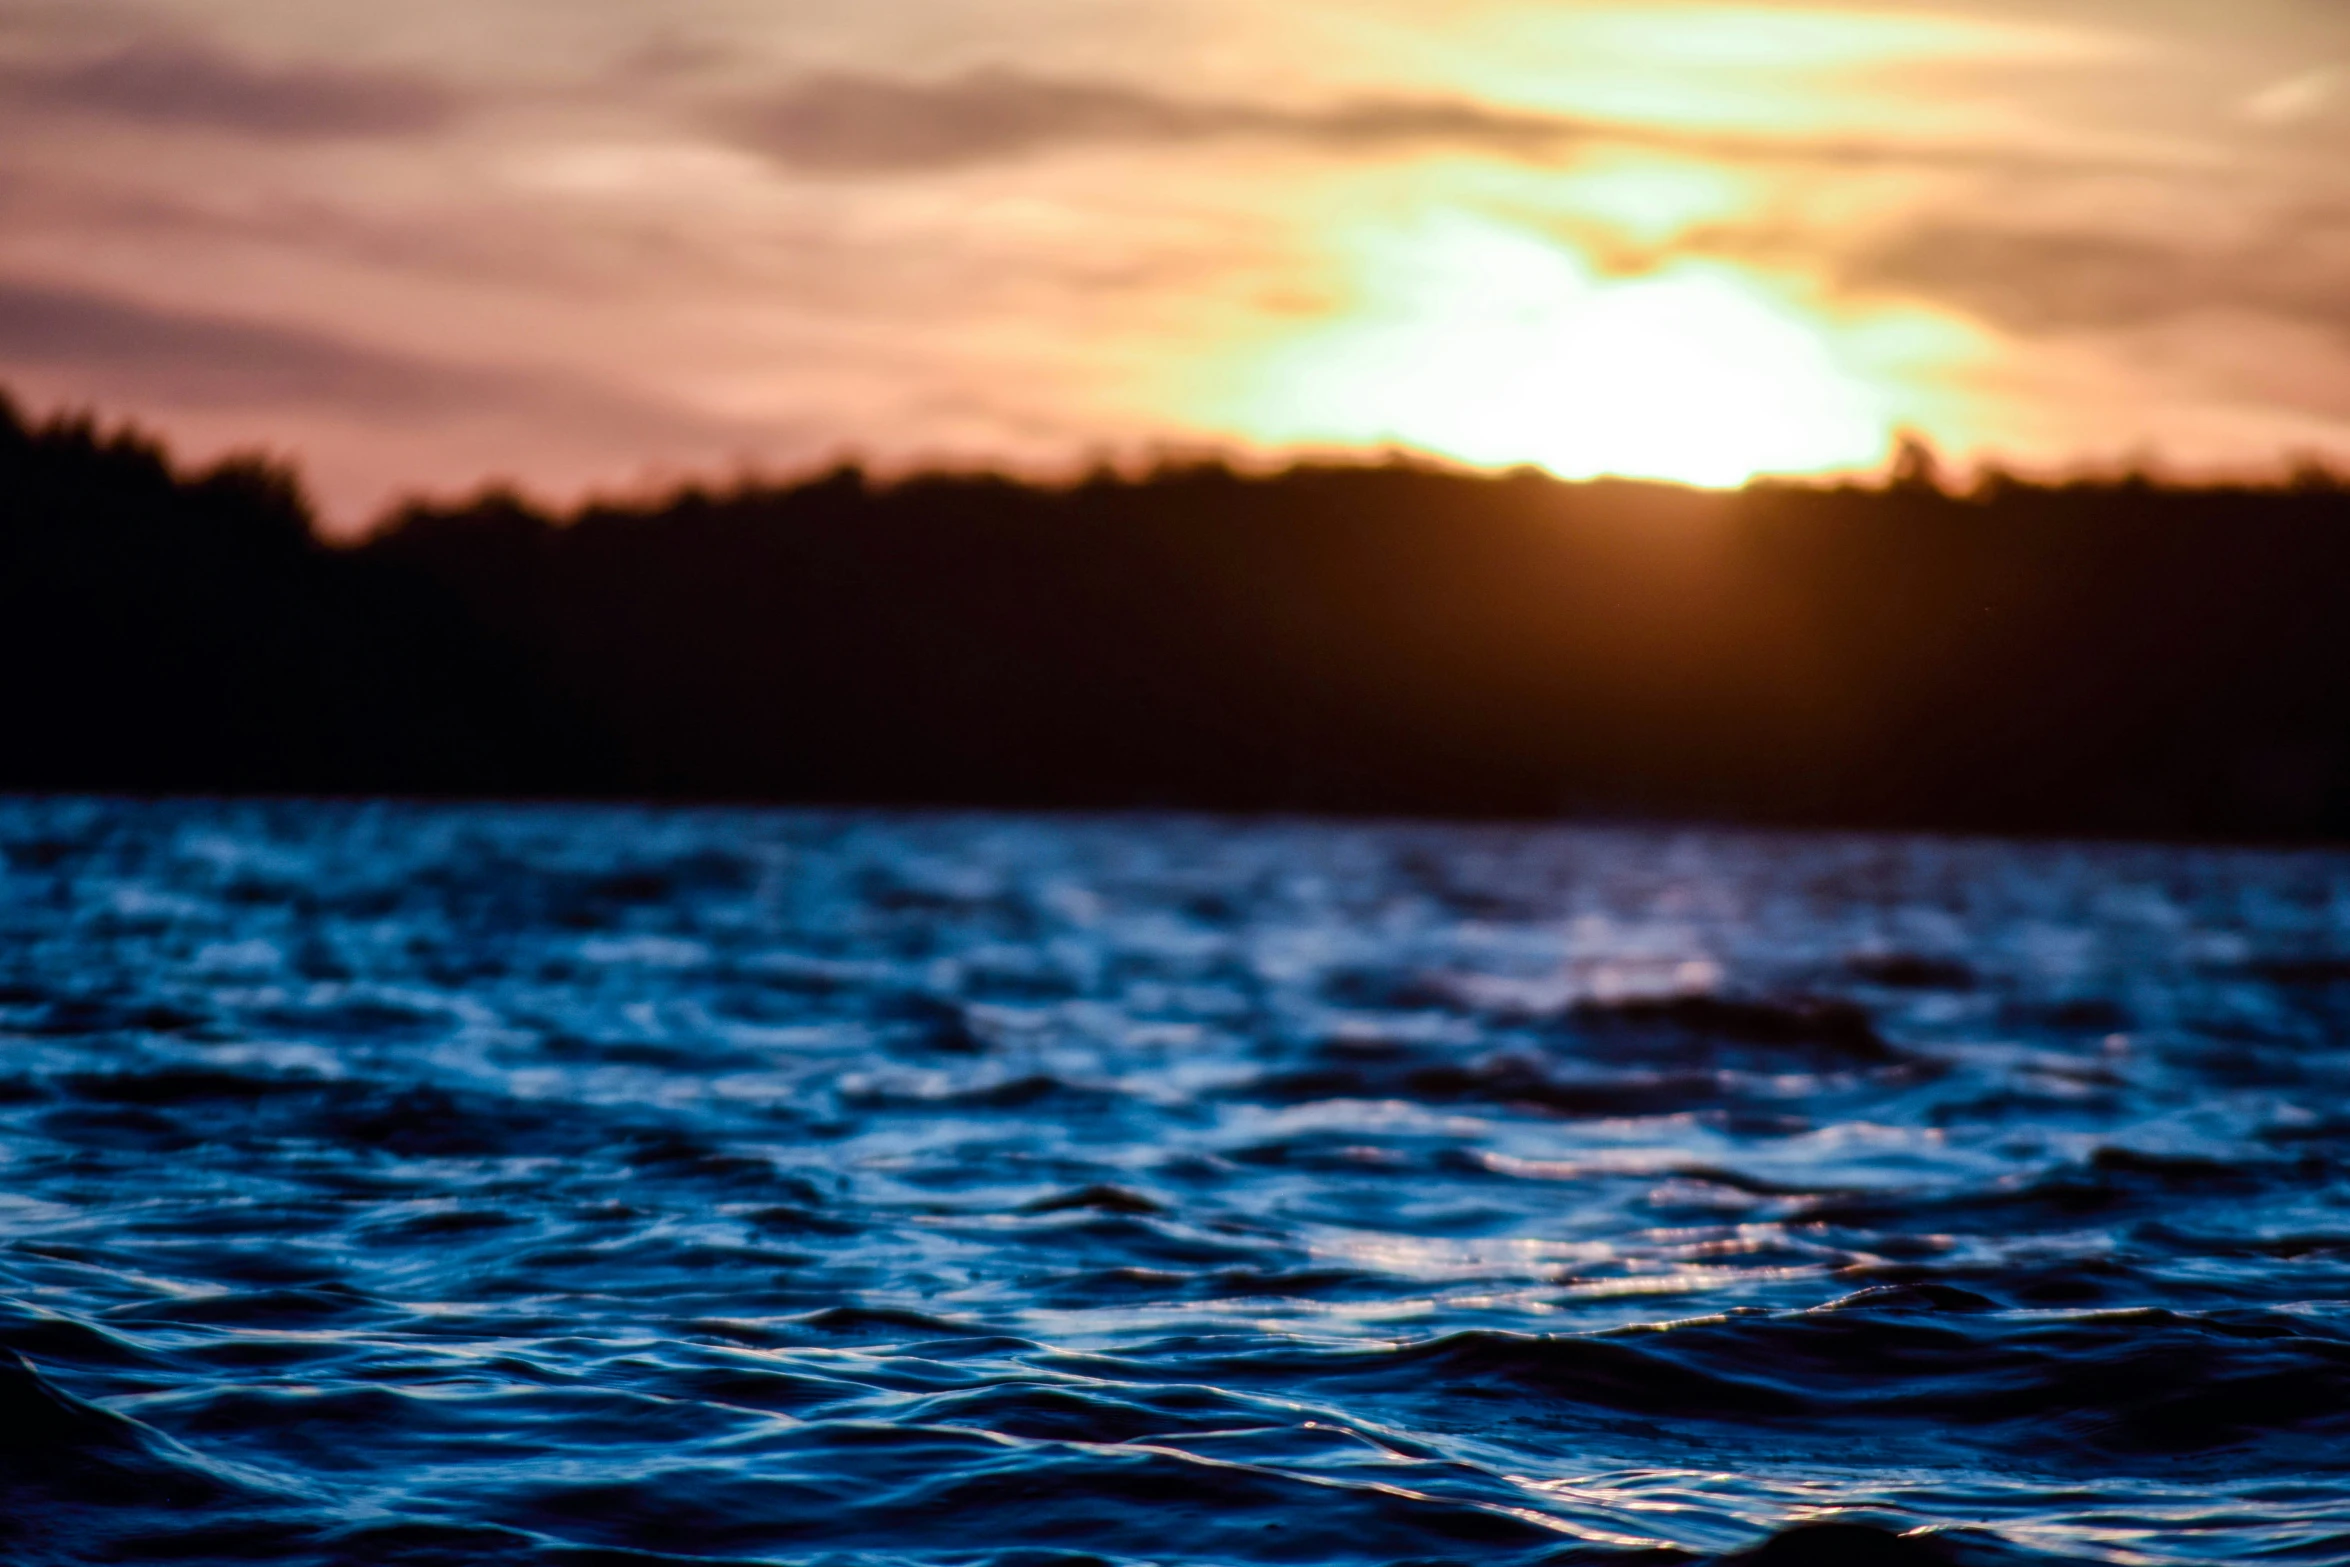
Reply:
x=510, y=1185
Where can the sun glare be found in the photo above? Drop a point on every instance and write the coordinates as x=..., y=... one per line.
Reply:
x=1493, y=345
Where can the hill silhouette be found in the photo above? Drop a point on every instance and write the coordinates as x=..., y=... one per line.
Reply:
x=2085, y=657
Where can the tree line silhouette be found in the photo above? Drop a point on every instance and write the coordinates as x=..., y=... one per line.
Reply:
x=2113, y=656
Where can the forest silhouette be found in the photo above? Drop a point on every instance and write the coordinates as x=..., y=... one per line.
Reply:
x=2110, y=656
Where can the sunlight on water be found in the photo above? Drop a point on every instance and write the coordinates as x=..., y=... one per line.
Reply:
x=1479, y=341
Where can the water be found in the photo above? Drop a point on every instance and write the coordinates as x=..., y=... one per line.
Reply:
x=508, y=1185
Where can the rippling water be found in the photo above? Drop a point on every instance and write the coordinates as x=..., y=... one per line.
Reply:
x=484, y=1185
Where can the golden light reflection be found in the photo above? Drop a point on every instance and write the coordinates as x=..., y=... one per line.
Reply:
x=1496, y=345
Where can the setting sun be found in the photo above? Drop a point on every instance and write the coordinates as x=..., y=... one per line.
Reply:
x=1494, y=345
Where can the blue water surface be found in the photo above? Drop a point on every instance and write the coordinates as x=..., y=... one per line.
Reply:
x=452, y=1184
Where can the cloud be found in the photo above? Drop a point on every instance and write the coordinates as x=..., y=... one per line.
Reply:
x=144, y=356
x=849, y=124
x=182, y=83
x=214, y=360
x=2049, y=281
x=2307, y=96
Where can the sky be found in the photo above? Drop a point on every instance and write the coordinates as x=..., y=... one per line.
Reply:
x=603, y=246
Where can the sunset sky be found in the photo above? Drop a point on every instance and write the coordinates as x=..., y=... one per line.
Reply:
x=613, y=243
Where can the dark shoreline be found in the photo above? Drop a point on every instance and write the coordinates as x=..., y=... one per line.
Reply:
x=2113, y=659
